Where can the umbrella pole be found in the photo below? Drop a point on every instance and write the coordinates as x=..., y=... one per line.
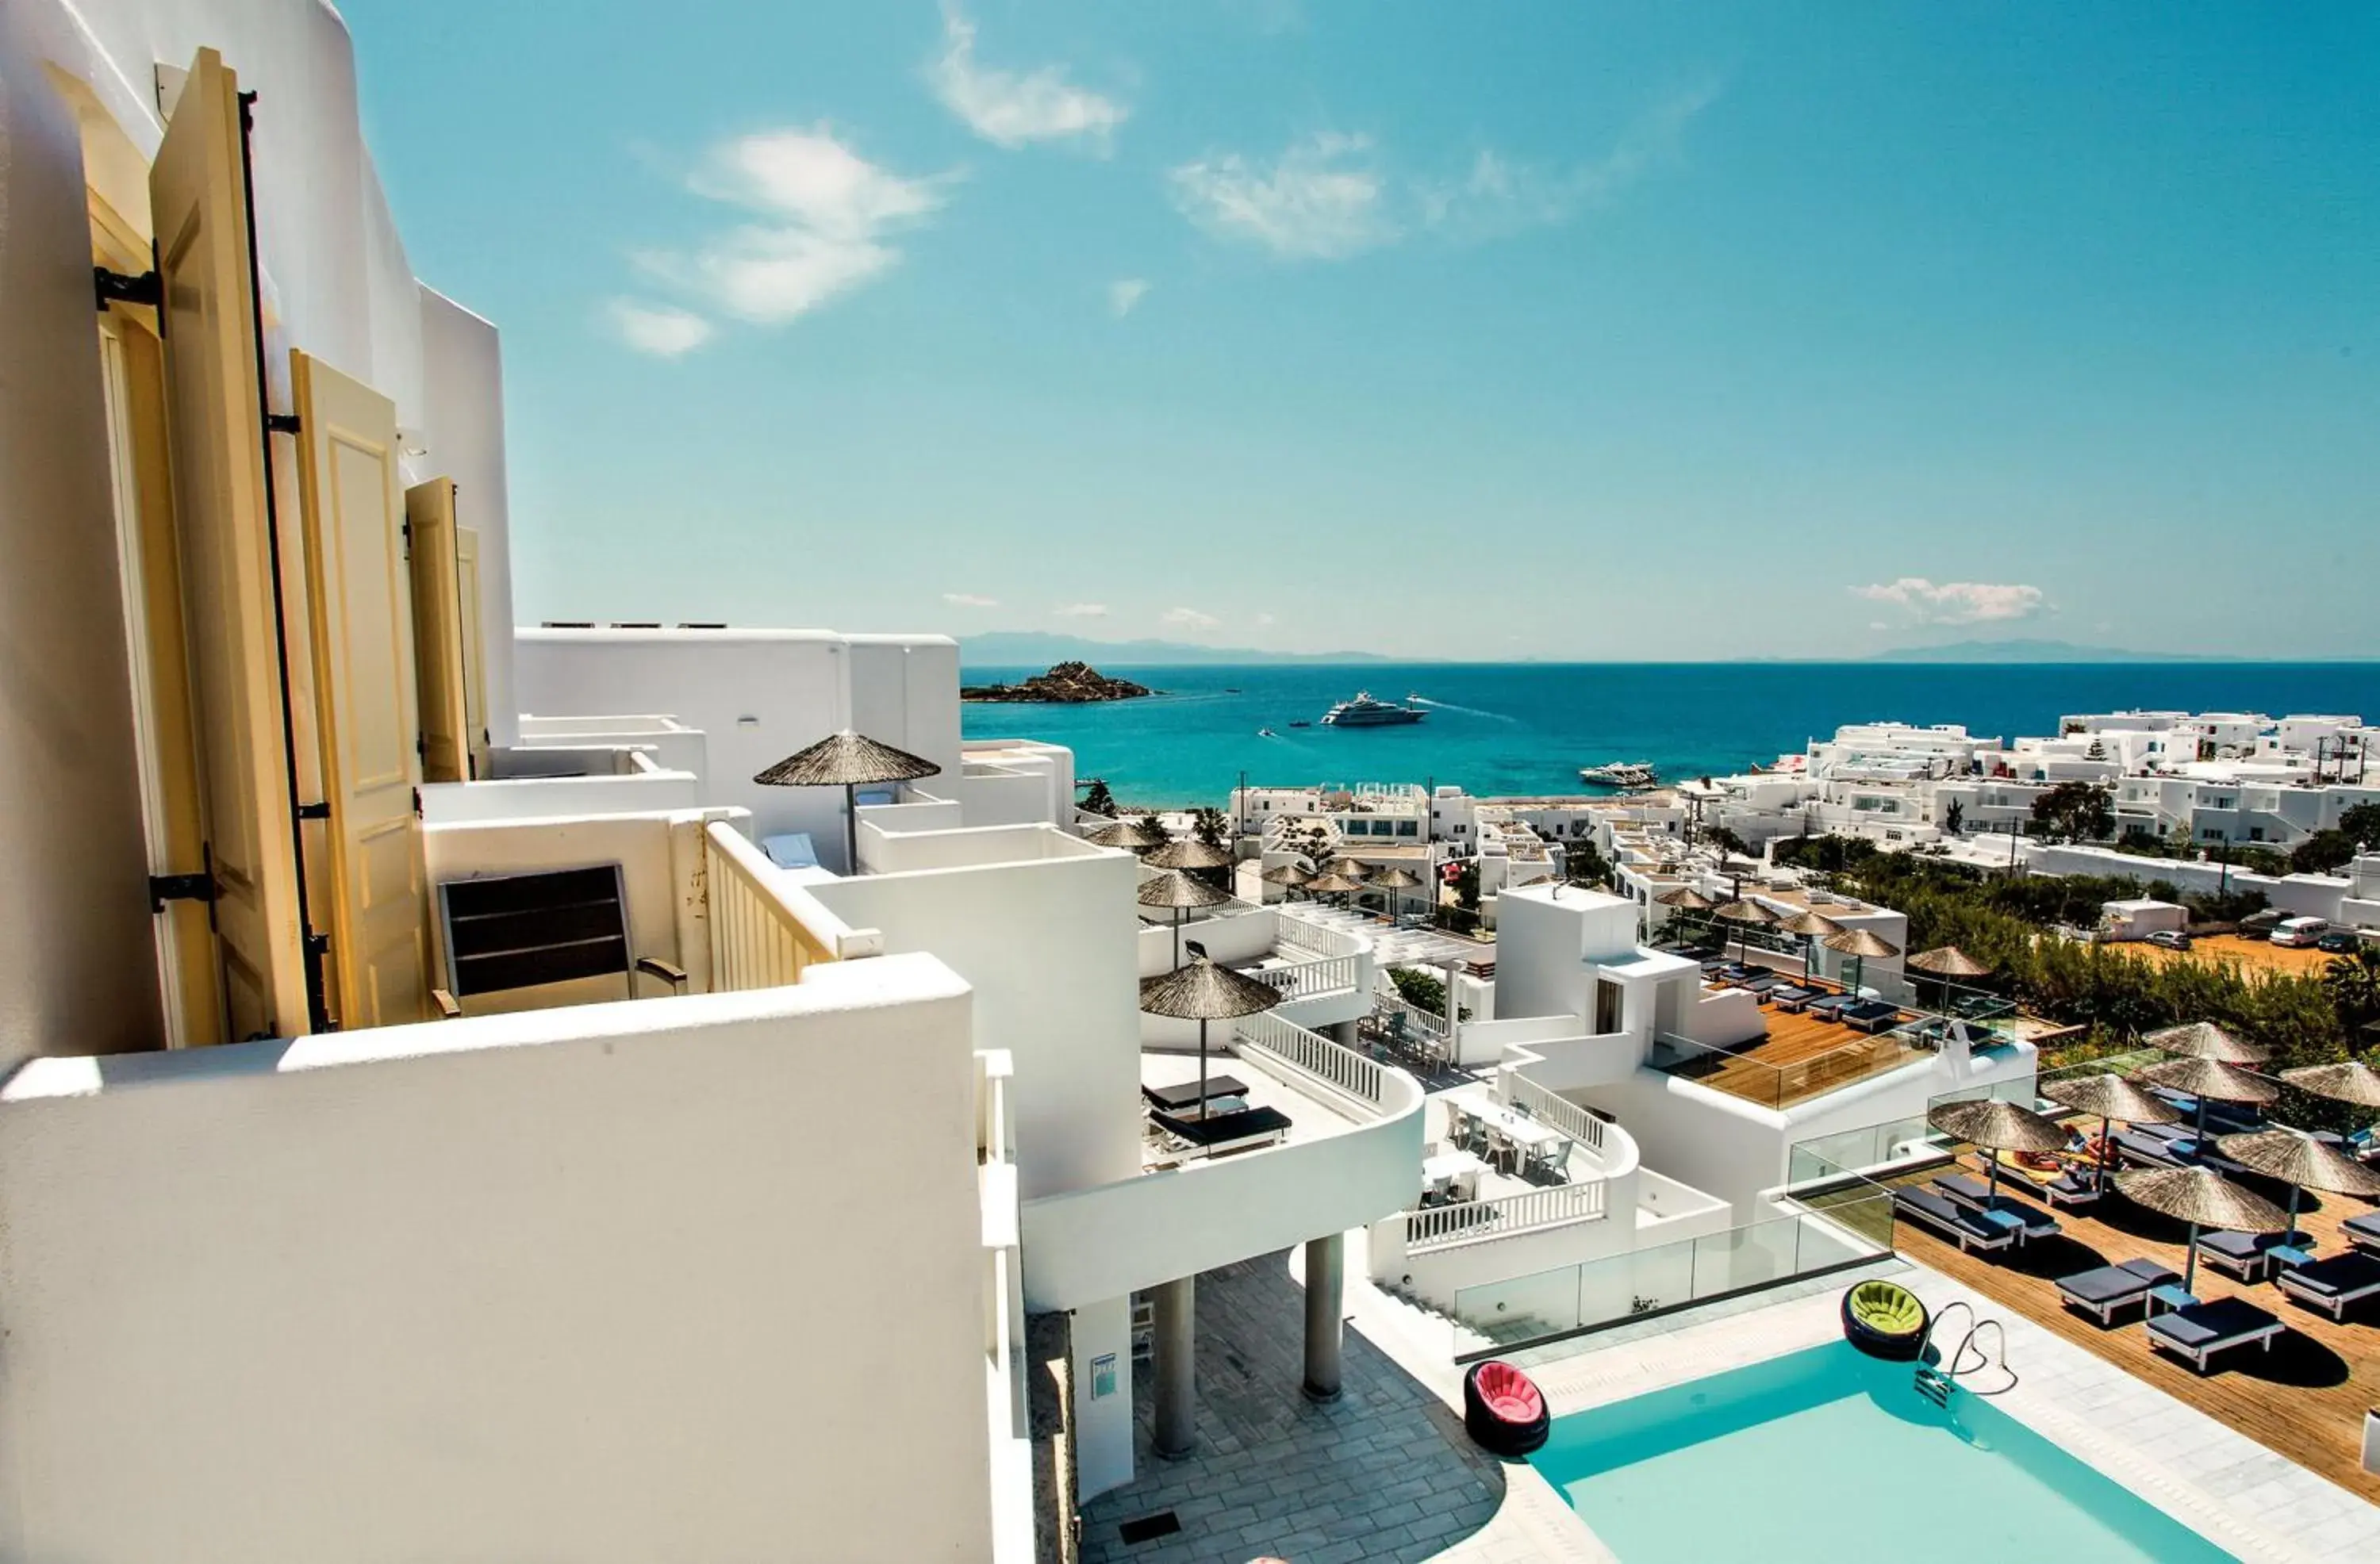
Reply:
x=1177, y=938
x=2190, y=1267
x=1992, y=1181
x=850, y=829
x=1202, y=1068
x=2290, y=1235
x=2099, y=1156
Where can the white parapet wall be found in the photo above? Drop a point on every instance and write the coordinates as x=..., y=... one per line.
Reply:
x=603, y=1284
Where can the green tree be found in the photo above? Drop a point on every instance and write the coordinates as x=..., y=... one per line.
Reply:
x=1584, y=864
x=2322, y=853
x=1212, y=827
x=1727, y=841
x=1953, y=817
x=1097, y=800
x=2074, y=811
x=1466, y=886
x=2362, y=825
x=2353, y=983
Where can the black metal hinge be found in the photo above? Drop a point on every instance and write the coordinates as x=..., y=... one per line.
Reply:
x=281, y=423
x=124, y=288
x=315, y=811
x=405, y=531
x=165, y=888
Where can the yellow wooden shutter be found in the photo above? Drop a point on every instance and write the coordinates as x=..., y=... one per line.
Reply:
x=475, y=649
x=438, y=632
x=358, y=589
x=198, y=195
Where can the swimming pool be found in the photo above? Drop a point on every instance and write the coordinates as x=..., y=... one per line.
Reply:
x=1819, y=1454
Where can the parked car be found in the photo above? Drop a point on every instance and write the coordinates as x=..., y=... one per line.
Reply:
x=2339, y=942
x=2170, y=939
x=2300, y=931
x=2255, y=925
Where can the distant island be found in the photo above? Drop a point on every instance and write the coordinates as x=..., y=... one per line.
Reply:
x=1027, y=649
x=2025, y=651
x=1067, y=683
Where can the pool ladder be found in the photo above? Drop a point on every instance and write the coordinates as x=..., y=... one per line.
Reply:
x=1934, y=1381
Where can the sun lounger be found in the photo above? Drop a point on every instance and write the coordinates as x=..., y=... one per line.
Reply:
x=1830, y=1007
x=2153, y=1151
x=1220, y=1133
x=2109, y=1288
x=2243, y=1253
x=1759, y=983
x=2332, y=1284
x=2202, y=1330
x=1965, y=1229
x=1976, y=1195
x=2363, y=1232
x=1871, y=1015
x=2070, y=1188
x=1792, y=996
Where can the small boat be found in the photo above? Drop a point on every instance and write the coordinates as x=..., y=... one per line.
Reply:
x=1364, y=712
x=1620, y=773
x=1266, y=733
x=1301, y=724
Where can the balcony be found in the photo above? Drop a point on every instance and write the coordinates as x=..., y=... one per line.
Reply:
x=1797, y=1059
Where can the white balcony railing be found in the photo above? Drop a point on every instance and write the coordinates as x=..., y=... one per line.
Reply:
x=1426, y=1022
x=1305, y=979
x=1315, y=1057
x=1477, y=1222
x=1568, y=1117
x=1319, y=939
x=765, y=932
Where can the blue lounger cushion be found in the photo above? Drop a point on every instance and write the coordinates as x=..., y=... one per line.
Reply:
x=2210, y=1324
x=2117, y=1284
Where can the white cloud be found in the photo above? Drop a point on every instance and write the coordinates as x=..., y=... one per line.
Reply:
x=661, y=330
x=1011, y=108
x=1321, y=199
x=823, y=217
x=1124, y=293
x=1081, y=611
x=1264, y=618
x=1957, y=602
x=1331, y=195
x=1190, y=618
x=969, y=599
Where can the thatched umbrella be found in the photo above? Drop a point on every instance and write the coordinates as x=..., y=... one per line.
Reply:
x=1393, y=878
x=1948, y=960
x=2353, y=1082
x=2111, y=1097
x=1337, y=882
x=1812, y=927
x=2204, y=1039
x=1203, y=992
x=1686, y=898
x=1997, y=1125
x=1129, y=835
x=1860, y=944
x=1190, y=854
x=847, y=760
x=1171, y=888
x=1289, y=877
x=2202, y=1198
x=2301, y=1162
x=1745, y=916
x=2208, y=1079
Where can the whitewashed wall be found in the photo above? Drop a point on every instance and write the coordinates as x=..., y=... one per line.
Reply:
x=463, y=425
x=570, y=1285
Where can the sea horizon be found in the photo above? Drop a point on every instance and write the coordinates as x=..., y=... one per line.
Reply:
x=1525, y=727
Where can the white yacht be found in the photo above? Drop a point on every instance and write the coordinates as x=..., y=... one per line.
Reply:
x=1364, y=712
x=1620, y=773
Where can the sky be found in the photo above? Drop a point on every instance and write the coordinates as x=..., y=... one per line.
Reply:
x=1560, y=331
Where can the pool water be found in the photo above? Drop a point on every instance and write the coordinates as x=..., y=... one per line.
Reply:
x=1826, y=1454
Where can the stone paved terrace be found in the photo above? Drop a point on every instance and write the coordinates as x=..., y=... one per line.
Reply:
x=1383, y=1474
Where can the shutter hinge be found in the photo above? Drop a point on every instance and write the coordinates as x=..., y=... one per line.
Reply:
x=281, y=423
x=317, y=944
x=165, y=888
x=124, y=288
x=404, y=529
x=417, y=803
x=320, y=811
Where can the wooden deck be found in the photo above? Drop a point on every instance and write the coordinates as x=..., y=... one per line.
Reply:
x=1801, y=1058
x=2305, y=1398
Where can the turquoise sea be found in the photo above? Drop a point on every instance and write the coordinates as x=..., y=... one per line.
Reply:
x=1504, y=728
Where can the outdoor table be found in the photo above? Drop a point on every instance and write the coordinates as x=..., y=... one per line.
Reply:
x=1458, y=1170
x=2289, y=1255
x=2007, y=1221
x=2172, y=1296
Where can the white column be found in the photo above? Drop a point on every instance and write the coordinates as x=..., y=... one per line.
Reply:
x=1175, y=1308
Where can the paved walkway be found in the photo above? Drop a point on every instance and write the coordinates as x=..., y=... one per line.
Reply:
x=1382, y=1473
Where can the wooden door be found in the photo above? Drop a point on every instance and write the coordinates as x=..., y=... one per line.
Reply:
x=215, y=412
x=475, y=649
x=438, y=632
x=358, y=589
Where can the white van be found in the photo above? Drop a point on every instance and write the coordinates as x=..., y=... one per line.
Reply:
x=2300, y=931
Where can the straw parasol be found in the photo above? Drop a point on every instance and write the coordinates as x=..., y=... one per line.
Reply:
x=2111, y=1097
x=1997, y=1125
x=1131, y=835
x=2353, y=1082
x=2207, y=1079
x=847, y=760
x=1745, y=916
x=2301, y=1162
x=1811, y=926
x=2204, y=1039
x=1171, y=888
x=1336, y=884
x=1393, y=879
x=1686, y=898
x=1948, y=960
x=1289, y=877
x=1191, y=853
x=1203, y=992
x=1860, y=944
x=2201, y=1197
